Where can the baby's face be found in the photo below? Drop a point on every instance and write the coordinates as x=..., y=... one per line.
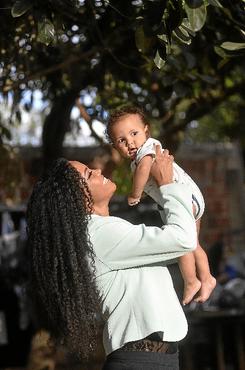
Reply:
x=128, y=135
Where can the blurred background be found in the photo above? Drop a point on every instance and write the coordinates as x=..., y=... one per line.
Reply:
x=64, y=65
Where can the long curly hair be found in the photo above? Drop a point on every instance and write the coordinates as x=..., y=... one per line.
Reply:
x=62, y=272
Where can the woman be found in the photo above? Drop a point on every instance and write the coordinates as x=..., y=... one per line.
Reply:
x=84, y=261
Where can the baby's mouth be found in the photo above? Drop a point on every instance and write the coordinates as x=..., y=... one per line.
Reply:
x=132, y=153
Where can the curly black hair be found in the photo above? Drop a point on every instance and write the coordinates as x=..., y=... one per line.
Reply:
x=117, y=114
x=62, y=271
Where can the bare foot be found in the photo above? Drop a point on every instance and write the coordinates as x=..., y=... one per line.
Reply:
x=207, y=286
x=190, y=289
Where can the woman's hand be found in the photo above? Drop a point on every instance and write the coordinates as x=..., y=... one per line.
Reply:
x=162, y=167
x=132, y=201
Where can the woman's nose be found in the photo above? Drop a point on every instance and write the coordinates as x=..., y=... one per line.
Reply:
x=97, y=171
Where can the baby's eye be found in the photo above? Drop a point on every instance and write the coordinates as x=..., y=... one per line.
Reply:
x=134, y=133
x=121, y=141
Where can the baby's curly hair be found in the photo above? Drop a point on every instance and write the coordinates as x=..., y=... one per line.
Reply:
x=62, y=276
x=120, y=113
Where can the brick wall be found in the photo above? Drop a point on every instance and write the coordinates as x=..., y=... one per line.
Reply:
x=219, y=172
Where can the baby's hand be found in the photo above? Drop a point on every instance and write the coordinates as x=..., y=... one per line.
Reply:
x=133, y=201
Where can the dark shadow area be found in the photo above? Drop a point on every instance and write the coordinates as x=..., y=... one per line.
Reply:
x=15, y=326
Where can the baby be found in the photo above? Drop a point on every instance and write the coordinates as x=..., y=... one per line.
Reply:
x=128, y=131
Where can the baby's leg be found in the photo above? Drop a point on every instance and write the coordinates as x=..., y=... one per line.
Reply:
x=191, y=283
x=208, y=282
x=188, y=270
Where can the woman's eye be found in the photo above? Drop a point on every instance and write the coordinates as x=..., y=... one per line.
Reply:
x=88, y=174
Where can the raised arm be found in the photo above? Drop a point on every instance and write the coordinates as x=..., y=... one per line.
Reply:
x=140, y=177
x=119, y=244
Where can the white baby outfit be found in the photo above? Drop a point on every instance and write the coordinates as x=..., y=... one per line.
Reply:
x=180, y=176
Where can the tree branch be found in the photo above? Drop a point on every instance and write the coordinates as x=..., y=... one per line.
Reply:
x=201, y=106
x=106, y=47
x=53, y=68
x=89, y=121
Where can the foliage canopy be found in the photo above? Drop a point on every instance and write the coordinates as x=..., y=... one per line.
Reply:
x=179, y=59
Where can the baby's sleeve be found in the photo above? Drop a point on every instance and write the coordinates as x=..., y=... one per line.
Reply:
x=147, y=149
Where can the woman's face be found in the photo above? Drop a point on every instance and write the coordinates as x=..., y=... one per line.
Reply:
x=100, y=187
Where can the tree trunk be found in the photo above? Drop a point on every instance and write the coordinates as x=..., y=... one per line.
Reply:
x=171, y=141
x=56, y=124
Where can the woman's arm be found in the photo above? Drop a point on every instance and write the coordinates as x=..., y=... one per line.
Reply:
x=122, y=245
x=119, y=244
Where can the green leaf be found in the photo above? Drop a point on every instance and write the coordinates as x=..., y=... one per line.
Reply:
x=161, y=48
x=163, y=39
x=159, y=62
x=223, y=62
x=197, y=17
x=46, y=32
x=20, y=7
x=143, y=42
x=233, y=45
x=194, y=4
x=173, y=15
x=182, y=35
x=187, y=26
x=218, y=50
x=242, y=32
x=215, y=3
x=225, y=53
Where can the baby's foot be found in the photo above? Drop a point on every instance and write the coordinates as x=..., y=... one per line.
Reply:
x=190, y=289
x=207, y=286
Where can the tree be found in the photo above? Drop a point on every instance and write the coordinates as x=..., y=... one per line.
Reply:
x=178, y=59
